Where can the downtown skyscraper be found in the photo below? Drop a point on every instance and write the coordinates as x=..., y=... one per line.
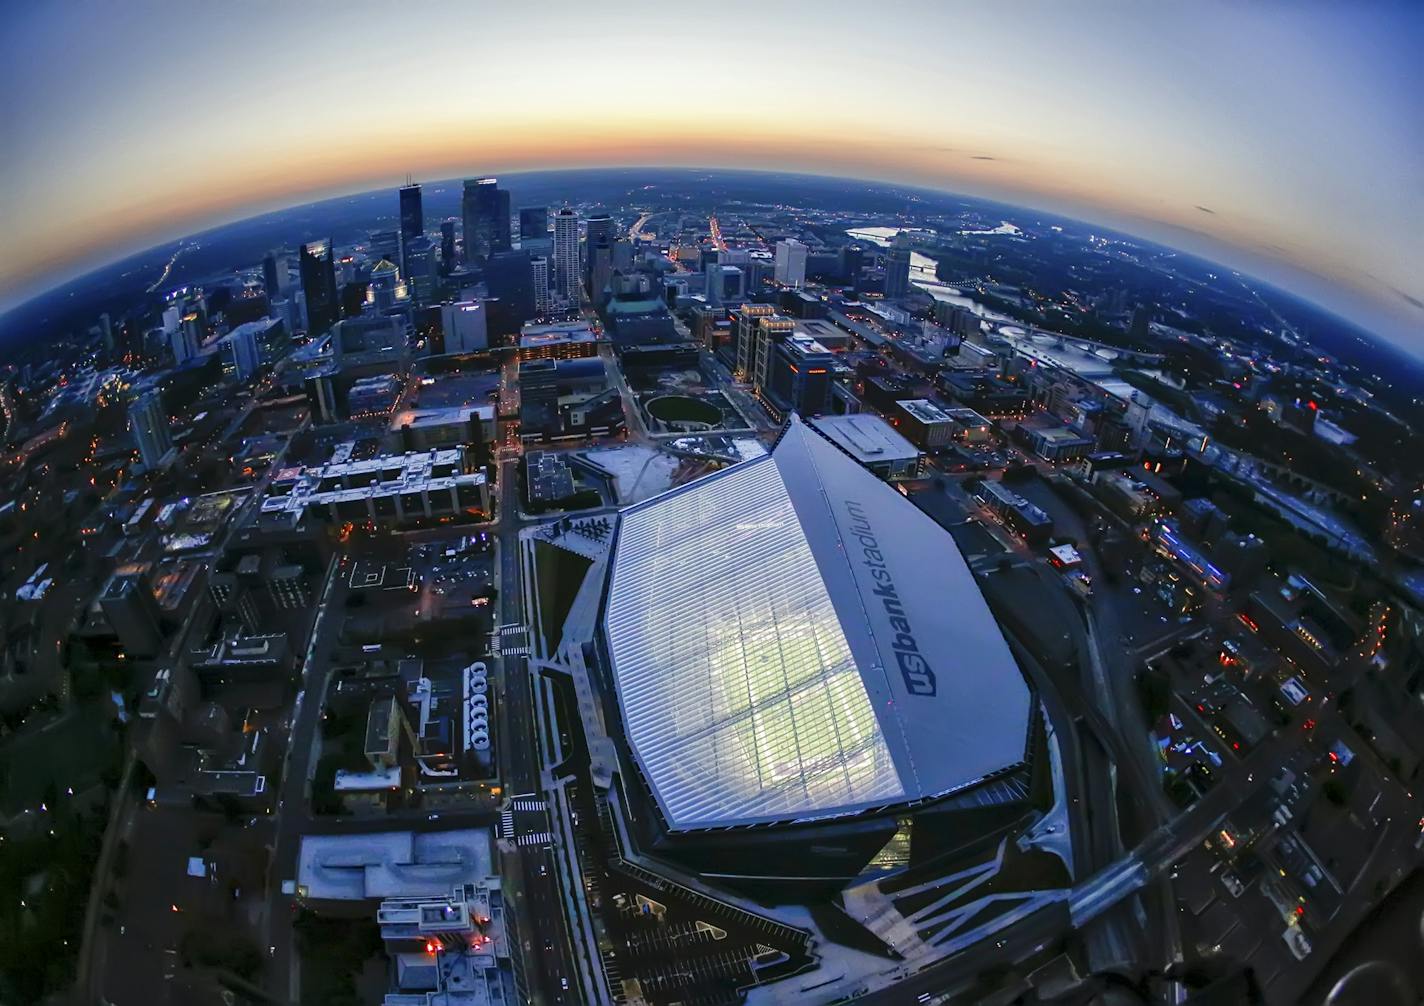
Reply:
x=485, y=209
x=412, y=221
x=318, y=272
x=151, y=432
x=567, y=279
x=897, y=269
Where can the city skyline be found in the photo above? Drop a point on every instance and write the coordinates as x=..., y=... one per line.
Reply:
x=1239, y=137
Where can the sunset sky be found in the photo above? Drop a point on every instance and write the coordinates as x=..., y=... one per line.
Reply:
x=1286, y=140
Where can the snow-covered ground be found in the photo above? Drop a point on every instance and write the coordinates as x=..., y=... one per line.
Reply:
x=638, y=472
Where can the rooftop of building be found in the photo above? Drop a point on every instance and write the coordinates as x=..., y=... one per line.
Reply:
x=865, y=437
x=442, y=415
x=392, y=864
x=925, y=410
x=556, y=332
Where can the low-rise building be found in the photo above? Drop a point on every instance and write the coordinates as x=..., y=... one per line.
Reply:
x=873, y=443
x=925, y=423
x=385, y=489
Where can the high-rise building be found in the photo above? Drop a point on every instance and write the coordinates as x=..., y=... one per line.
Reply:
x=447, y=246
x=566, y=256
x=533, y=223
x=503, y=232
x=746, y=322
x=600, y=268
x=726, y=284
x=791, y=263
x=800, y=378
x=510, y=278
x=131, y=610
x=151, y=433
x=852, y=260
x=385, y=286
x=600, y=231
x=771, y=332
x=184, y=340
x=464, y=326
x=412, y=220
x=421, y=270
x=897, y=270
x=241, y=356
x=483, y=206
x=383, y=245
x=539, y=275
x=318, y=272
x=274, y=275
x=623, y=255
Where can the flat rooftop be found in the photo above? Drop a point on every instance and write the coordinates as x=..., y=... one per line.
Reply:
x=393, y=864
x=419, y=418
x=925, y=410
x=791, y=639
x=865, y=437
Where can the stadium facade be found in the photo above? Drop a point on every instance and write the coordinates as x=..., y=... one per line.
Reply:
x=808, y=682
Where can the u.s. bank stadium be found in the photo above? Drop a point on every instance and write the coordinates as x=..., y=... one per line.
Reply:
x=806, y=680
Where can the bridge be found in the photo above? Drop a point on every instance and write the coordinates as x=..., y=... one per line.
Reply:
x=1109, y=353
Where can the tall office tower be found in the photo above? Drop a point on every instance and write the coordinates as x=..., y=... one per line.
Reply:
x=385, y=285
x=503, y=226
x=172, y=318
x=128, y=604
x=566, y=257
x=533, y=223
x=770, y=332
x=274, y=275
x=318, y=272
x=599, y=230
x=600, y=268
x=510, y=278
x=746, y=320
x=241, y=356
x=464, y=327
x=852, y=259
x=421, y=269
x=447, y=246
x=412, y=219
x=539, y=274
x=897, y=270
x=383, y=245
x=725, y=284
x=151, y=432
x=791, y=263
x=623, y=255
x=106, y=330
x=480, y=204
x=184, y=340
x=800, y=379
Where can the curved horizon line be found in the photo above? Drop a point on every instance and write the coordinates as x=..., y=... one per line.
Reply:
x=1122, y=226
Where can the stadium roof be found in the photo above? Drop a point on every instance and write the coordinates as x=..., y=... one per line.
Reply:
x=791, y=640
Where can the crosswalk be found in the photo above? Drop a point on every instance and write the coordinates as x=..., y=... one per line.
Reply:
x=534, y=838
x=514, y=651
x=526, y=804
x=506, y=824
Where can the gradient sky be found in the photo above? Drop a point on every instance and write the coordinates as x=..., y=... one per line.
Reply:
x=1286, y=140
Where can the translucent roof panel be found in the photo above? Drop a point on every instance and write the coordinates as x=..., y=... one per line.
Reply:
x=740, y=696
x=792, y=639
